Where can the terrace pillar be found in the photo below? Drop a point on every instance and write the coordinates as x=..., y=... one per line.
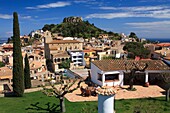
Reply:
x=146, y=79
x=103, y=79
x=121, y=78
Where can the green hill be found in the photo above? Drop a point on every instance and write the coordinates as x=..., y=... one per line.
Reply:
x=74, y=28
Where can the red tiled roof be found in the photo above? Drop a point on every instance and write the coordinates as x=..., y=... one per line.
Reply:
x=88, y=51
x=163, y=44
x=111, y=65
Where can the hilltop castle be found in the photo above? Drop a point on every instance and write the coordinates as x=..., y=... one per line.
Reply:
x=72, y=19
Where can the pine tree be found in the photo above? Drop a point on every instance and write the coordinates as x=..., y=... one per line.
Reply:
x=27, y=79
x=18, y=73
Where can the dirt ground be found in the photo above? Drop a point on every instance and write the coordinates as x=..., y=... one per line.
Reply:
x=141, y=92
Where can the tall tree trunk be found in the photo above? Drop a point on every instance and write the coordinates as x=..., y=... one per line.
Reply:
x=62, y=105
x=167, y=94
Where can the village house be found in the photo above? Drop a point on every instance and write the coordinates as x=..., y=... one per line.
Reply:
x=38, y=70
x=77, y=58
x=24, y=39
x=164, y=49
x=58, y=58
x=113, y=72
x=7, y=47
x=39, y=32
x=59, y=51
x=89, y=55
x=104, y=54
x=6, y=74
x=6, y=51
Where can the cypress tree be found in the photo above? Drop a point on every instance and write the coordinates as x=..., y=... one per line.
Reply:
x=27, y=79
x=18, y=72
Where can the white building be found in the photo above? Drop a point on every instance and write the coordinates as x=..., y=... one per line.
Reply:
x=77, y=57
x=112, y=72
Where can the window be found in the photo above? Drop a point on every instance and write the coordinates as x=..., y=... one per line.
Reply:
x=58, y=60
x=99, y=77
x=113, y=77
x=55, y=60
x=62, y=59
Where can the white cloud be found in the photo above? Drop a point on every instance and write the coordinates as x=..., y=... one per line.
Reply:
x=157, y=29
x=5, y=16
x=158, y=25
x=26, y=17
x=142, y=11
x=50, y=5
x=91, y=3
x=109, y=15
x=82, y=1
x=138, y=8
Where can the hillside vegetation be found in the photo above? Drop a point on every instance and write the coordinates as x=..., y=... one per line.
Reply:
x=75, y=29
x=78, y=29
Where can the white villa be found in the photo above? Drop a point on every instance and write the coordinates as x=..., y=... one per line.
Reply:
x=77, y=57
x=112, y=72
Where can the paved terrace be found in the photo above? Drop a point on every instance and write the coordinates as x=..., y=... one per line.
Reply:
x=141, y=92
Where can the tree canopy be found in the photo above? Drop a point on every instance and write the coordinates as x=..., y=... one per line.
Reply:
x=136, y=49
x=79, y=29
x=2, y=64
x=27, y=78
x=65, y=64
x=18, y=72
x=133, y=35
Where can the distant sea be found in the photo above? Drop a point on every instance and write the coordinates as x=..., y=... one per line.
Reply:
x=4, y=40
x=159, y=39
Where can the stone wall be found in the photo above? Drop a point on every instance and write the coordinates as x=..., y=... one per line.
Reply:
x=73, y=19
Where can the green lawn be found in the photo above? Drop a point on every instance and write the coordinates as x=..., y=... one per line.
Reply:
x=38, y=102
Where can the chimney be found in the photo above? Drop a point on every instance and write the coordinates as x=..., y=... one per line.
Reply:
x=137, y=58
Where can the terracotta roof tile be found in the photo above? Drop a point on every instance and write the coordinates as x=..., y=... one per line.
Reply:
x=63, y=41
x=5, y=72
x=35, y=65
x=106, y=90
x=60, y=55
x=111, y=65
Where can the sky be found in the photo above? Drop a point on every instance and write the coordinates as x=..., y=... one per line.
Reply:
x=147, y=18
